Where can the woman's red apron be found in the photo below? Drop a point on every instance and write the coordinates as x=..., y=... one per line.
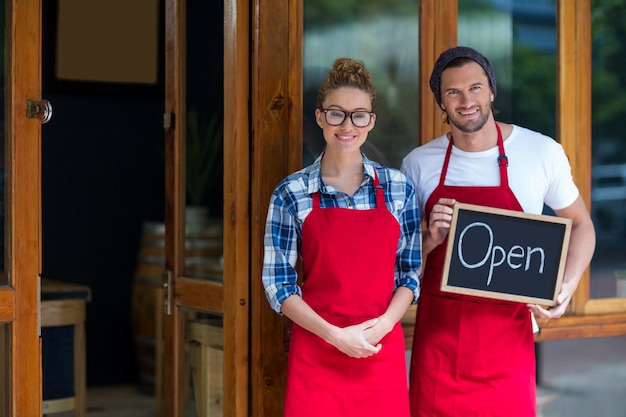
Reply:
x=348, y=260
x=472, y=356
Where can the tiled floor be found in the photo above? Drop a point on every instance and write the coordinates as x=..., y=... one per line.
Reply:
x=585, y=377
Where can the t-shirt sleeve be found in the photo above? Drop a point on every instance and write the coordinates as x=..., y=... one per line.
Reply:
x=562, y=190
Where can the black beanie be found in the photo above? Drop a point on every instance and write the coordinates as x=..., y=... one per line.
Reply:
x=450, y=55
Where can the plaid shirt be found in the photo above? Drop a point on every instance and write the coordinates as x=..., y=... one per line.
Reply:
x=291, y=202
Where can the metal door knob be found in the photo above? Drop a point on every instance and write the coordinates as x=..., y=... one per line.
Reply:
x=39, y=109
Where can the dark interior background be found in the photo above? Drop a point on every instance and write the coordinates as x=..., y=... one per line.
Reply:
x=103, y=177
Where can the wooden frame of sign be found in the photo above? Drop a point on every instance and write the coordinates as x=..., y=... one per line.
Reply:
x=505, y=254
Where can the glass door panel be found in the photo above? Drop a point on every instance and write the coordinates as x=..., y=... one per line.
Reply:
x=205, y=332
x=519, y=38
x=204, y=140
x=385, y=36
x=608, y=172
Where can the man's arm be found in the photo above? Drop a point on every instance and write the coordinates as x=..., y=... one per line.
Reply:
x=582, y=244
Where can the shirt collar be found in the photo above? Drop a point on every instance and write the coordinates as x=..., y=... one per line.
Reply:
x=315, y=173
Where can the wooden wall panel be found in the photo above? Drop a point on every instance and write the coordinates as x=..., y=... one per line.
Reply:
x=236, y=207
x=276, y=117
x=574, y=105
x=438, y=32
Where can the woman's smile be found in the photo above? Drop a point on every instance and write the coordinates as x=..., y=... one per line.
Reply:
x=345, y=137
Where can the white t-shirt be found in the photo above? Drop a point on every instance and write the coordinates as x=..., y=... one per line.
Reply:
x=538, y=171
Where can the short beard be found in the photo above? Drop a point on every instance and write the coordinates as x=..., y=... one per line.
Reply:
x=472, y=127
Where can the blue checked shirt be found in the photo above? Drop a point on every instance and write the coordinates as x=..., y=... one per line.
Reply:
x=291, y=202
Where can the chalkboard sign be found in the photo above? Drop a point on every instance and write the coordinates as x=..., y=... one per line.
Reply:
x=505, y=254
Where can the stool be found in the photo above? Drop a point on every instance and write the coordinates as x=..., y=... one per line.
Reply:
x=63, y=313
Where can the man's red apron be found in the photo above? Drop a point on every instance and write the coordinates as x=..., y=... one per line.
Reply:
x=348, y=259
x=472, y=356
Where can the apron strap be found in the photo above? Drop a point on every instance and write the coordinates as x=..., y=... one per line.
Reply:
x=503, y=161
x=444, y=169
x=380, y=192
x=316, y=200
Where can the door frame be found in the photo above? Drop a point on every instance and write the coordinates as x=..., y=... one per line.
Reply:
x=230, y=298
x=20, y=300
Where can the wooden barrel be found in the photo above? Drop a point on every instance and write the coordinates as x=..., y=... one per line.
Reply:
x=147, y=302
x=203, y=259
x=204, y=251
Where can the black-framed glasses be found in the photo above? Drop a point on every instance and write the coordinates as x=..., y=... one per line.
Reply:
x=336, y=117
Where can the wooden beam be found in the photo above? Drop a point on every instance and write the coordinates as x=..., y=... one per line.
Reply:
x=578, y=327
x=276, y=116
x=438, y=32
x=236, y=207
x=574, y=105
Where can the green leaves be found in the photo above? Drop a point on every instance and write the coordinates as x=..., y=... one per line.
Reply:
x=204, y=162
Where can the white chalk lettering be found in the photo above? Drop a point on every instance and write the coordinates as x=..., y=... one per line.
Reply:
x=497, y=255
x=513, y=253
x=530, y=252
x=496, y=250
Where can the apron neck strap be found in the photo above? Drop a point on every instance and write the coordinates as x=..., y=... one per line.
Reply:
x=503, y=161
x=380, y=192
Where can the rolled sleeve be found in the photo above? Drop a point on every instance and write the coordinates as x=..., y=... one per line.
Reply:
x=409, y=257
x=279, y=275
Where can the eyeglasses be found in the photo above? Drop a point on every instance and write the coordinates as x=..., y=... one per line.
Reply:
x=335, y=117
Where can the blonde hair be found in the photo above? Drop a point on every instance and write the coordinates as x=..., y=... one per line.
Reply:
x=347, y=72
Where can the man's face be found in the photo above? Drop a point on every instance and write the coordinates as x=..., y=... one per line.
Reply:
x=466, y=96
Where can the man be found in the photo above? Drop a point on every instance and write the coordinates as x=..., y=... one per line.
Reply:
x=474, y=356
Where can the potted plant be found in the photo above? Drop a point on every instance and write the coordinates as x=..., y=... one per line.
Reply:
x=204, y=162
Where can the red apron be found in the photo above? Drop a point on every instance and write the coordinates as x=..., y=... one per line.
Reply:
x=348, y=260
x=472, y=356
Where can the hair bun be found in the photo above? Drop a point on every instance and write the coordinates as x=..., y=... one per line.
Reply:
x=347, y=72
x=350, y=66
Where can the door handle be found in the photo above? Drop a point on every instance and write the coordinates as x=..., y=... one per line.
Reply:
x=168, y=292
x=39, y=109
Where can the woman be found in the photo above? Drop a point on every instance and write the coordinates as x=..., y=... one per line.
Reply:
x=355, y=225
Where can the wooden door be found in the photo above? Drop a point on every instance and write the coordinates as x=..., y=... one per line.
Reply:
x=206, y=305
x=20, y=346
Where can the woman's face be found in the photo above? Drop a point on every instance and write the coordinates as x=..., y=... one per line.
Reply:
x=345, y=137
